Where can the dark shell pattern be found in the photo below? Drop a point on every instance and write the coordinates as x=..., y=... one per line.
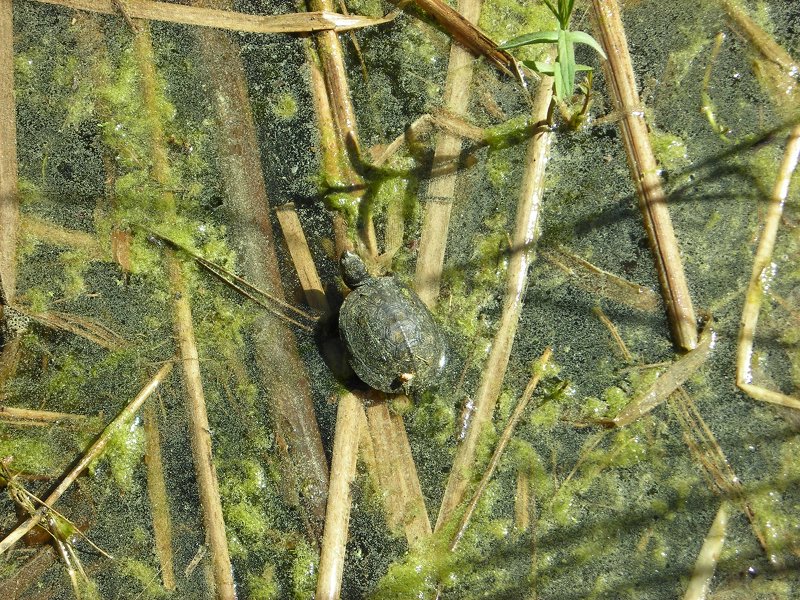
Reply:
x=393, y=342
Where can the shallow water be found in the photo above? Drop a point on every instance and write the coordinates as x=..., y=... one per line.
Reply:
x=610, y=513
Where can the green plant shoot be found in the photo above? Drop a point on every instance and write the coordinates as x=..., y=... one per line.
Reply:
x=564, y=68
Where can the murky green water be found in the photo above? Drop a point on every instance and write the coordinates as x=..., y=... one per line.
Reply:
x=611, y=514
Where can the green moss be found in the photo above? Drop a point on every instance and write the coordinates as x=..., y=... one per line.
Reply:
x=264, y=586
x=147, y=577
x=670, y=150
x=30, y=454
x=123, y=454
x=305, y=564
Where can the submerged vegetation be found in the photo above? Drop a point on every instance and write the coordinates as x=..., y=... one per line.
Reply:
x=179, y=193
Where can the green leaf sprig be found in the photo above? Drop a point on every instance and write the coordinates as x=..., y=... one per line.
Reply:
x=564, y=68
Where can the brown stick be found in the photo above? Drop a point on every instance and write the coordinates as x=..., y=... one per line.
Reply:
x=159, y=501
x=619, y=74
x=94, y=451
x=397, y=472
x=307, y=22
x=283, y=373
x=337, y=515
x=441, y=191
x=463, y=29
x=516, y=281
x=9, y=199
x=41, y=416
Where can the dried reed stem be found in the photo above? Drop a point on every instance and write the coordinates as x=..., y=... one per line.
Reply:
x=337, y=515
x=501, y=446
x=95, y=450
x=159, y=500
x=342, y=116
x=760, y=39
x=461, y=25
x=619, y=74
x=41, y=417
x=199, y=430
x=516, y=281
x=397, y=472
x=706, y=563
x=9, y=198
x=522, y=517
x=224, y=19
x=441, y=190
x=283, y=373
x=9, y=192
x=760, y=275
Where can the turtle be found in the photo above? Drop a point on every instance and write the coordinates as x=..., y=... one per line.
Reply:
x=393, y=342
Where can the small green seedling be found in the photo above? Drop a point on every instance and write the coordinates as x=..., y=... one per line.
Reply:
x=564, y=68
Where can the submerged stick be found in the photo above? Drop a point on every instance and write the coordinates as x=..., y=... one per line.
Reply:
x=337, y=515
x=669, y=381
x=282, y=371
x=522, y=241
x=441, y=190
x=41, y=417
x=645, y=174
x=760, y=275
x=307, y=22
x=501, y=446
x=94, y=451
x=159, y=500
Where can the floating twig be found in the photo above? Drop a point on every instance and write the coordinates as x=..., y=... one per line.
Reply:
x=522, y=243
x=645, y=174
x=337, y=515
x=40, y=417
x=307, y=22
x=94, y=451
x=760, y=275
x=442, y=189
x=85, y=327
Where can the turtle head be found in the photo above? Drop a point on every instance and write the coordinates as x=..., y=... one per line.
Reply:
x=354, y=271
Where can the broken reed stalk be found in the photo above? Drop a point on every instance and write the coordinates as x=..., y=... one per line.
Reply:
x=95, y=450
x=347, y=148
x=522, y=241
x=199, y=430
x=501, y=446
x=9, y=188
x=522, y=500
x=224, y=19
x=441, y=190
x=397, y=472
x=304, y=468
x=337, y=515
x=41, y=417
x=644, y=170
x=706, y=563
x=461, y=26
x=760, y=274
x=9, y=192
x=159, y=500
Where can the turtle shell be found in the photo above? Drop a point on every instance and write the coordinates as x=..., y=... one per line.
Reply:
x=394, y=344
